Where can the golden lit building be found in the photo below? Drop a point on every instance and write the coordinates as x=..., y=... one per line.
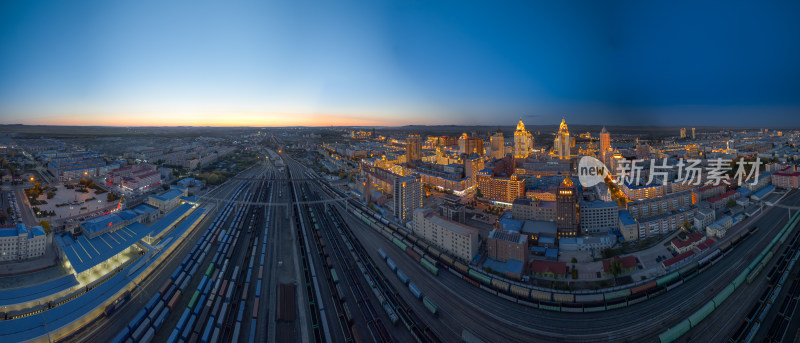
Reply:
x=523, y=141
x=413, y=148
x=563, y=143
x=497, y=145
x=500, y=189
x=605, y=145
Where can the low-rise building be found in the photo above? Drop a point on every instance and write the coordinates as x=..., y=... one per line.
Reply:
x=629, y=264
x=19, y=242
x=548, y=269
x=507, y=245
x=628, y=226
x=704, y=217
x=720, y=227
x=587, y=243
x=721, y=201
x=533, y=209
x=666, y=222
x=691, y=241
x=655, y=206
x=167, y=200
x=785, y=179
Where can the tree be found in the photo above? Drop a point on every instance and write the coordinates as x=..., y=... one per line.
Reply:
x=731, y=203
x=478, y=193
x=45, y=225
x=687, y=224
x=574, y=260
x=615, y=269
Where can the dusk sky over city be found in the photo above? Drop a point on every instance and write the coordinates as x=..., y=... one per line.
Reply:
x=378, y=63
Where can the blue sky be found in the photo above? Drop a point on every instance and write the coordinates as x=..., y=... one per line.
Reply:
x=397, y=63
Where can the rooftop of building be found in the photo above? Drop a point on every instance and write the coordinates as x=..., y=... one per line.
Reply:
x=42, y=290
x=169, y=219
x=84, y=253
x=678, y=258
x=722, y=196
x=627, y=262
x=456, y=227
x=509, y=224
x=542, y=266
x=508, y=236
x=764, y=191
x=168, y=195
x=691, y=239
x=599, y=204
x=626, y=218
x=539, y=227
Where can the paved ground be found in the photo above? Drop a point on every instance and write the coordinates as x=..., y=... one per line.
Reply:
x=18, y=267
x=76, y=201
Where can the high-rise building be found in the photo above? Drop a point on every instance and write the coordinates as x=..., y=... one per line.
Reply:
x=563, y=143
x=523, y=141
x=413, y=148
x=498, y=149
x=693, y=136
x=470, y=145
x=567, y=209
x=407, y=196
x=605, y=145
x=683, y=132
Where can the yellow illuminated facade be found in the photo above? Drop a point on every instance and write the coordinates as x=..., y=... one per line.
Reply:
x=523, y=141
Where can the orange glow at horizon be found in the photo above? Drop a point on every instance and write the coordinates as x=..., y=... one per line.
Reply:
x=216, y=119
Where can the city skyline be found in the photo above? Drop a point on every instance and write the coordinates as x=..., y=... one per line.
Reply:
x=384, y=64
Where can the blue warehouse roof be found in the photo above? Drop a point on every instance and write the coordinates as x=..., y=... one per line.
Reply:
x=168, y=195
x=144, y=208
x=31, y=327
x=186, y=223
x=169, y=220
x=85, y=253
x=42, y=290
x=99, y=223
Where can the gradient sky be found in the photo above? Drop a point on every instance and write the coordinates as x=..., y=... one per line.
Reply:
x=395, y=63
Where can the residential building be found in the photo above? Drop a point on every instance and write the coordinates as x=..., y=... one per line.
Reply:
x=497, y=145
x=721, y=201
x=666, y=222
x=413, y=149
x=641, y=192
x=533, y=209
x=785, y=179
x=407, y=196
x=455, y=238
x=599, y=216
x=655, y=206
x=500, y=189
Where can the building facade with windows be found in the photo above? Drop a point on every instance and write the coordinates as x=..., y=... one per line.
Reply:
x=19, y=242
x=456, y=238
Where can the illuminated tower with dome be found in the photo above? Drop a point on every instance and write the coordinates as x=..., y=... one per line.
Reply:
x=523, y=141
x=563, y=143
